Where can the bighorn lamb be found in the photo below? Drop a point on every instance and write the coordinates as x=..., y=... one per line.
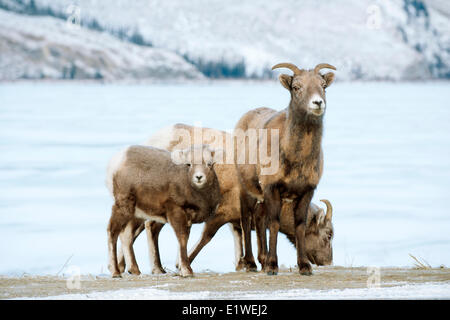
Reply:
x=319, y=227
x=148, y=185
x=300, y=128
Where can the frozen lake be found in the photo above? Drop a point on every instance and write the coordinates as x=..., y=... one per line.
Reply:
x=387, y=169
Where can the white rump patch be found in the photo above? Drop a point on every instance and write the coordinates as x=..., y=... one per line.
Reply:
x=114, y=164
x=162, y=138
x=138, y=213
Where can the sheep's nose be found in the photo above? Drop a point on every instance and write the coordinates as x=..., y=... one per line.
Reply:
x=318, y=103
x=199, y=178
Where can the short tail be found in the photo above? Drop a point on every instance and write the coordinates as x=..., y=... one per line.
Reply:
x=114, y=165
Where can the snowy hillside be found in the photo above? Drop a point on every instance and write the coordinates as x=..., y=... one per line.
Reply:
x=365, y=39
x=46, y=47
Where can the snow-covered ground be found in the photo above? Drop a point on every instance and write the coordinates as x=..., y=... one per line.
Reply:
x=387, y=169
x=418, y=291
x=369, y=39
x=46, y=47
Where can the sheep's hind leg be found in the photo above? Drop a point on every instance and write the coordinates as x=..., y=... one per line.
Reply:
x=152, y=229
x=209, y=230
x=137, y=230
x=127, y=237
x=116, y=223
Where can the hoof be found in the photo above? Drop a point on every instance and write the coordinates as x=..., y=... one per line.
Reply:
x=158, y=271
x=186, y=273
x=272, y=268
x=305, y=269
x=134, y=272
x=249, y=266
x=116, y=275
x=189, y=275
x=121, y=268
x=239, y=267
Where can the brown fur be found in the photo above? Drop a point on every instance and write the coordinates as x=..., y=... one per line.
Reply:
x=150, y=181
x=229, y=211
x=301, y=161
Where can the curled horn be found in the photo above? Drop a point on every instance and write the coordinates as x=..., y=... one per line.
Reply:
x=322, y=66
x=291, y=66
x=329, y=209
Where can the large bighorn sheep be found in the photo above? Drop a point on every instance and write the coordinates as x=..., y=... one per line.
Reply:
x=319, y=228
x=148, y=185
x=300, y=128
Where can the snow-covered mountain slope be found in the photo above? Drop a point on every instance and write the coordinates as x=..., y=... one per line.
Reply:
x=46, y=47
x=367, y=39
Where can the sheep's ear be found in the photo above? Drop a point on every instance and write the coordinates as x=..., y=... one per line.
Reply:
x=286, y=81
x=312, y=221
x=320, y=217
x=329, y=78
x=217, y=156
x=180, y=156
x=316, y=218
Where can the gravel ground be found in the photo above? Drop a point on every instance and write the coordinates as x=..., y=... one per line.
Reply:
x=224, y=284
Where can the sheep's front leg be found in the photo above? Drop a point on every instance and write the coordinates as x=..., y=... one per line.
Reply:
x=300, y=216
x=272, y=203
x=178, y=220
x=260, y=226
x=153, y=228
x=248, y=261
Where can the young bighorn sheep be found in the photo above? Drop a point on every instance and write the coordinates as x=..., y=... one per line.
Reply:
x=148, y=185
x=319, y=227
x=300, y=128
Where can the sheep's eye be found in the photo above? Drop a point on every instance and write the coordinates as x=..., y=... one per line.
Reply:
x=188, y=164
x=324, y=85
x=296, y=89
x=210, y=164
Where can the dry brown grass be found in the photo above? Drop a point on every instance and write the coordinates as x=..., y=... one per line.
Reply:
x=420, y=263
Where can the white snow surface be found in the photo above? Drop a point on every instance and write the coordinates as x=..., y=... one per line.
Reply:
x=387, y=169
x=412, y=291
x=45, y=47
x=370, y=39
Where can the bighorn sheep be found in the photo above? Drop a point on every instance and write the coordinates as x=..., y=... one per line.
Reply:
x=300, y=128
x=148, y=185
x=319, y=230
